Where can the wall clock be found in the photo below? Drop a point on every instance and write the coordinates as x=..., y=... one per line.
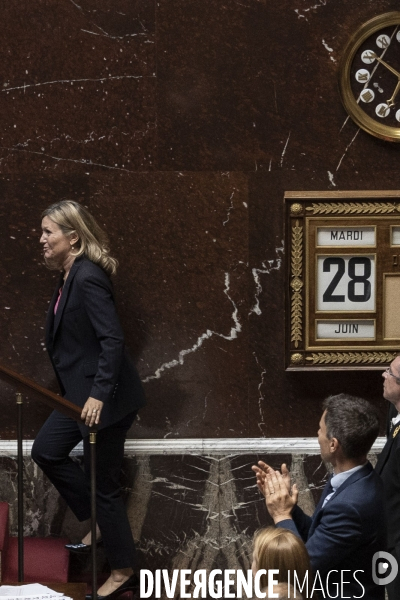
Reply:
x=369, y=77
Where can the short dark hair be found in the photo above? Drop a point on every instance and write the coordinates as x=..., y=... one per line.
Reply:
x=354, y=422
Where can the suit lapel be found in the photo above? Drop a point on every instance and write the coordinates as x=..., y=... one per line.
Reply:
x=392, y=412
x=64, y=295
x=366, y=469
x=327, y=490
x=384, y=455
x=315, y=518
x=50, y=314
x=354, y=477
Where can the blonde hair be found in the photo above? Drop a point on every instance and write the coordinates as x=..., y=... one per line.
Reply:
x=278, y=548
x=285, y=591
x=72, y=217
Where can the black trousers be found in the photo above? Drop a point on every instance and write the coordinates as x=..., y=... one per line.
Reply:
x=51, y=449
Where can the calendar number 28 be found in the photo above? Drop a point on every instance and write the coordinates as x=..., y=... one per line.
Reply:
x=359, y=286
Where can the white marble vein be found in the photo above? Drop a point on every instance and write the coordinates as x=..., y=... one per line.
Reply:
x=113, y=37
x=205, y=336
x=72, y=81
x=83, y=161
x=310, y=8
x=284, y=150
x=260, y=396
x=331, y=180
x=345, y=152
x=273, y=265
x=228, y=215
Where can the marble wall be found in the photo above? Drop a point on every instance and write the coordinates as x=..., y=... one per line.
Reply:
x=186, y=512
x=180, y=124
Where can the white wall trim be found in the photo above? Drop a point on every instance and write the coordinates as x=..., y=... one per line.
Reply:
x=205, y=446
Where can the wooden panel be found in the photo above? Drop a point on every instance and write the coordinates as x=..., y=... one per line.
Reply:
x=391, y=307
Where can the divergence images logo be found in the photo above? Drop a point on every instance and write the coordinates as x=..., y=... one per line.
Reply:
x=381, y=573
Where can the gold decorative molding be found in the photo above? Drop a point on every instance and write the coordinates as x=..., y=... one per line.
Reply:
x=296, y=209
x=296, y=358
x=297, y=284
x=350, y=358
x=352, y=208
x=313, y=284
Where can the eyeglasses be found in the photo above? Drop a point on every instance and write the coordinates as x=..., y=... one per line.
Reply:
x=389, y=372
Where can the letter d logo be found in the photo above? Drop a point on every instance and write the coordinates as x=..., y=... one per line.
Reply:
x=379, y=569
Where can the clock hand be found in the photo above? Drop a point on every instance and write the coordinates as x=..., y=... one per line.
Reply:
x=390, y=102
x=373, y=55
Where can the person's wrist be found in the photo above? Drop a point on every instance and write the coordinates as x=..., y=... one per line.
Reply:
x=282, y=517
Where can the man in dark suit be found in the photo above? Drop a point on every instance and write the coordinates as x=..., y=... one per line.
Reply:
x=348, y=525
x=388, y=467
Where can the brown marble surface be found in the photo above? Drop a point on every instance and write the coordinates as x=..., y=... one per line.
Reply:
x=180, y=124
x=185, y=511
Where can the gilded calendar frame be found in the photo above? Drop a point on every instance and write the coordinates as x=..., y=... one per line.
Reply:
x=342, y=279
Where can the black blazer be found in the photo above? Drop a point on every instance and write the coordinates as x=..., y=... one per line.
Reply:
x=85, y=343
x=345, y=534
x=388, y=467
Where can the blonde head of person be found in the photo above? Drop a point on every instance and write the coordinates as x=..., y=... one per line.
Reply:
x=279, y=549
x=284, y=591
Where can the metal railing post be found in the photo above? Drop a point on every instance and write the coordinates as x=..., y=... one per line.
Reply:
x=92, y=440
x=20, y=462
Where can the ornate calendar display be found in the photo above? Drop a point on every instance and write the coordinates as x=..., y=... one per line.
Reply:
x=343, y=279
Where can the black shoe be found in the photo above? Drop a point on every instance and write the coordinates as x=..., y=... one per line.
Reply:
x=82, y=548
x=129, y=585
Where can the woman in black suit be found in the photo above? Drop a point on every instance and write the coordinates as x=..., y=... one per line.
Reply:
x=86, y=347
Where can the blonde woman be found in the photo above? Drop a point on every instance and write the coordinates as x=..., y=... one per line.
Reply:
x=86, y=348
x=278, y=548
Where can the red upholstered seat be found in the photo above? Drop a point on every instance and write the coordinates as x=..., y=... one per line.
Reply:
x=3, y=531
x=45, y=559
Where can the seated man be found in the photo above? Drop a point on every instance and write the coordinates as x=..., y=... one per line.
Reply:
x=348, y=525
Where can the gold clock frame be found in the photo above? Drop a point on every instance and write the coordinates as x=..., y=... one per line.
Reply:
x=310, y=210
x=385, y=132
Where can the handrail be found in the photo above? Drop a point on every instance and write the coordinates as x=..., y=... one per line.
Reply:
x=50, y=398
x=70, y=410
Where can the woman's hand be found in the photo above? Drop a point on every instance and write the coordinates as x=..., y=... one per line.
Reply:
x=91, y=412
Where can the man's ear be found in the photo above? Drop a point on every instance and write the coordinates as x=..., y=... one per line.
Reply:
x=333, y=444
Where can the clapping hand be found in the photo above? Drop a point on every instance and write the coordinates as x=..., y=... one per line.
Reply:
x=261, y=472
x=280, y=496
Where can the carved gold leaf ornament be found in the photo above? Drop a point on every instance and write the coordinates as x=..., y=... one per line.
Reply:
x=296, y=208
x=296, y=358
x=350, y=208
x=296, y=284
x=349, y=358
